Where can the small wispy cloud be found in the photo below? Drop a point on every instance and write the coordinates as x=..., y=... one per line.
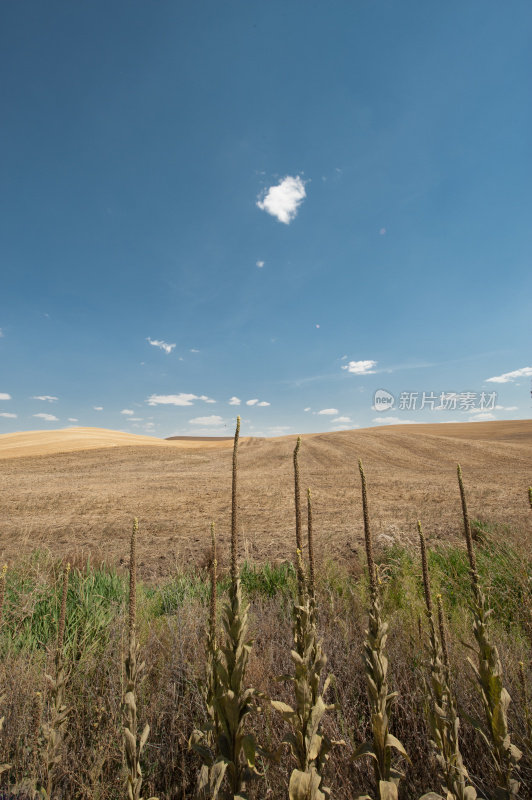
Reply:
x=260, y=264
x=235, y=401
x=344, y=427
x=252, y=402
x=46, y=417
x=213, y=419
x=161, y=345
x=263, y=404
x=341, y=419
x=47, y=398
x=256, y=402
x=194, y=350
x=508, y=377
x=135, y=419
x=393, y=421
x=73, y=419
x=279, y=430
x=97, y=408
x=328, y=412
x=181, y=399
x=283, y=200
x=360, y=367
x=1, y=333
x=506, y=408
x=128, y=412
x=307, y=408
x=483, y=416
x=5, y=396
x=8, y=415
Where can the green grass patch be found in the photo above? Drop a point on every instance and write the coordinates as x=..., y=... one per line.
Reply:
x=506, y=577
x=96, y=596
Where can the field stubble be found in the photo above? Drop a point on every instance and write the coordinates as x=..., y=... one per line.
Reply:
x=83, y=502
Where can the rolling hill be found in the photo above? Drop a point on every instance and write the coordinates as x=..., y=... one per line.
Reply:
x=76, y=492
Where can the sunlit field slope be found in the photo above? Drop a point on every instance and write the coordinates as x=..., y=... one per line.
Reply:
x=75, y=492
x=70, y=440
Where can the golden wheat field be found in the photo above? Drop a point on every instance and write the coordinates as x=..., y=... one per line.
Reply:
x=76, y=491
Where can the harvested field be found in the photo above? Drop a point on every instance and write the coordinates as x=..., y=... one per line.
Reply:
x=75, y=493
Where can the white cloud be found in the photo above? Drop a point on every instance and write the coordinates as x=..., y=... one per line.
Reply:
x=128, y=412
x=162, y=345
x=283, y=200
x=213, y=419
x=263, y=404
x=507, y=377
x=181, y=399
x=135, y=419
x=393, y=421
x=46, y=417
x=8, y=415
x=341, y=419
x=328, y=411
x=5, y=396
x=234, y=401
x=260, y=264
x=73, y=419
x=252, y=402
x=483, y=416
x=48, y=398
x=360, y=367
x=307, y=408
x=279, y=430
x=97, y=408
x=194, y=350
x=344, y=427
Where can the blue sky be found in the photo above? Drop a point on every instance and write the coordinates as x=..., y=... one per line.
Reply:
x=292, y=203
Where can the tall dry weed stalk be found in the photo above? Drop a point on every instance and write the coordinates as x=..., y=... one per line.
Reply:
x=34, y=739
x=310, y=539
x=299, y=526
x=133, y=745
x=54, y=728
x=526, y=708
x=230, y=764
x=205, y=740
x=489, y=679
x=444, y=723
x=306, y=739
x=3, y=767
x=212, y=646
x=3, y=576
x=383, y=743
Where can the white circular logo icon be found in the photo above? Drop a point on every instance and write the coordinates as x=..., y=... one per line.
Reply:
x=383, y=400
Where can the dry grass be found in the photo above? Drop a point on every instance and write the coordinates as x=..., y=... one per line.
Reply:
x=83, y=502
x=172, y=704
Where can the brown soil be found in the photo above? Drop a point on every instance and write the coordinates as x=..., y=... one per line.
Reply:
x=83, y=501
